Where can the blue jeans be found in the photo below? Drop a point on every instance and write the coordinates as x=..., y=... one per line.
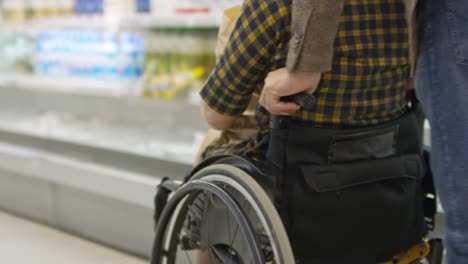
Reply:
x=442, y=87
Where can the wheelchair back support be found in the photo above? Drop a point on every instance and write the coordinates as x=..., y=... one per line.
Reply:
x=349, y=196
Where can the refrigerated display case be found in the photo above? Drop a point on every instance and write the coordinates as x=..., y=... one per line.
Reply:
x=84, y=145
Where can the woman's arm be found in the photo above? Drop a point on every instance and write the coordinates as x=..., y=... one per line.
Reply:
x=314, y=27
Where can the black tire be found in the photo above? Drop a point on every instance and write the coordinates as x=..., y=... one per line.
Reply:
x=437, y=252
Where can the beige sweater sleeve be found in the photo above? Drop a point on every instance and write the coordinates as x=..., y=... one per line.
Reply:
x=314, y=27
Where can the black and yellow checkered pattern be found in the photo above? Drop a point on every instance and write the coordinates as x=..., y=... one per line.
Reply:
x=367, y=83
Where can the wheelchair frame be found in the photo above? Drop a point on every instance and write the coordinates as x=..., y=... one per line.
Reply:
x=210, y=179
x=202, y=180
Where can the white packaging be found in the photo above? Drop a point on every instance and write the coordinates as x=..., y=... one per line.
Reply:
x=163, y=8
x=115, y=10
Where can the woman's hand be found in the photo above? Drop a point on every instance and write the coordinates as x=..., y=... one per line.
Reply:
x=281, y=83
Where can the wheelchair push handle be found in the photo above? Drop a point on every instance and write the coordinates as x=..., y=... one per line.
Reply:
x=305, y=100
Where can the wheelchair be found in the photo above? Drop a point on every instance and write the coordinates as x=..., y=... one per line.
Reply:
x=244, y=201
x=246, y=226
x=250, y=214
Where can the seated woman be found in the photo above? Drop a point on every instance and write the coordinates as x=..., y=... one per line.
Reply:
x=366, y=86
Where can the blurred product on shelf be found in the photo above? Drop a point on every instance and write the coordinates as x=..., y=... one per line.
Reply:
x=114, y=11
x=15, y=53
x=50, y=7
x=93, y=54
x=170, y=54
x=35, y=9
x=198, y=7
x=65, y=7
x=89, y=7
x=143, y=6
x=18, y=11
x=13, y=11
x=194, y=7
x=176, y=60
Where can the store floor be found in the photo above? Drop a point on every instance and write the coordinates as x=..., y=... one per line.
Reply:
x=24, y=242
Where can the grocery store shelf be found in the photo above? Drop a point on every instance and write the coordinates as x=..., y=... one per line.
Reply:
x=112, y=24
x=171, y=146
x=89, y=164
x=81, y=22
x=69, y=84
x=101, y=203
x=92, y=178
x=35, y=26
x=15, y=28
x=192, y=21
x=166, y=130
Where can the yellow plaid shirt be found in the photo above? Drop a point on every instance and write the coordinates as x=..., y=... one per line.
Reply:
x=366, y=86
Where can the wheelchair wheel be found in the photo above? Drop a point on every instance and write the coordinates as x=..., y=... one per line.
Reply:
x=254, y=232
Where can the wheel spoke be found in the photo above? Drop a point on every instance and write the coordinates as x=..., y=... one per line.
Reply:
x=235, y=235
x=246, y=220
x=186, y=254
x=229, y=223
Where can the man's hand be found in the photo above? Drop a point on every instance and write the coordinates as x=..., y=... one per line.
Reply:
x=281, y=83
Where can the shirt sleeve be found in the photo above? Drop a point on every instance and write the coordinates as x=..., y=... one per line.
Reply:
x=314, y=28
x=243, y=66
